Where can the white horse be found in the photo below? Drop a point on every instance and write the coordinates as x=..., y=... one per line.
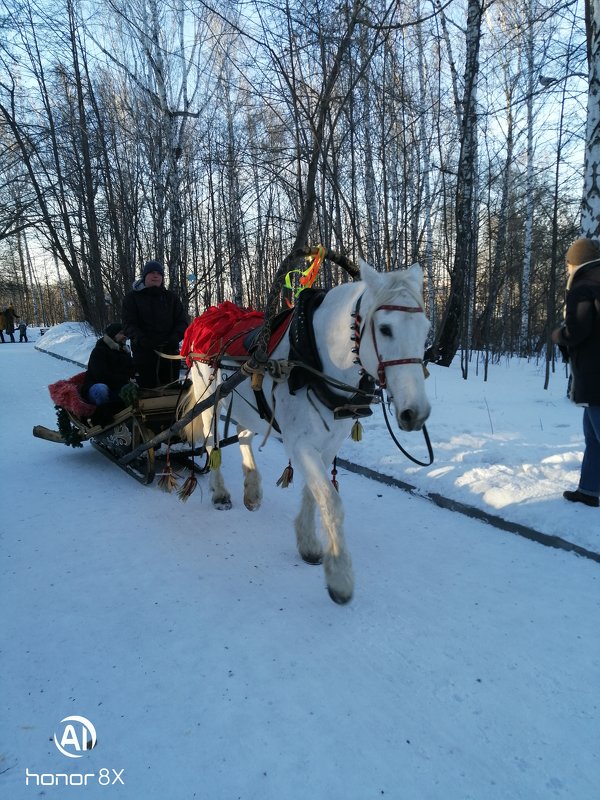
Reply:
x=373, y=327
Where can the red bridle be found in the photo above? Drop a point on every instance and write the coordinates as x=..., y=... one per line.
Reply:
x=381, y=364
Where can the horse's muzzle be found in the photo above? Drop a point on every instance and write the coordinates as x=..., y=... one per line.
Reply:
x=413, y=419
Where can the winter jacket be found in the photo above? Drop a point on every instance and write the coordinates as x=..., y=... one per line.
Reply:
x=10, y=315
x=580, y=333
x=153, y=318
x=109, y=363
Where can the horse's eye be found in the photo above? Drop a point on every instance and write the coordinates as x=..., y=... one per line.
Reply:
x=385, y=330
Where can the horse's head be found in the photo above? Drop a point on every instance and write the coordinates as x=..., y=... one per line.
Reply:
x=393, y=337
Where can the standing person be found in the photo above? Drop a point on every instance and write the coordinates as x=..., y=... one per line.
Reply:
x=154, y=320
x=580, y=335
x=23, y=331
x=10, y=315
x=2, y=326
x=110, y=367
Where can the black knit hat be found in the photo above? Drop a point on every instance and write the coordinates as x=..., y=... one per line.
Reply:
x=153, y=266
x=112, y=329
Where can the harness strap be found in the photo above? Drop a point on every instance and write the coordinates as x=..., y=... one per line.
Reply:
x=402, y=450
x=264, y=410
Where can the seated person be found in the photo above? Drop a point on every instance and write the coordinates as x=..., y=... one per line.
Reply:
x=110, y=367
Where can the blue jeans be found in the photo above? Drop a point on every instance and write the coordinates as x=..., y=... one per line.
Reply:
x=589, y=480
x=99, y=393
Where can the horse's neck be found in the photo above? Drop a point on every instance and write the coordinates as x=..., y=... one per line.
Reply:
x=333, y=323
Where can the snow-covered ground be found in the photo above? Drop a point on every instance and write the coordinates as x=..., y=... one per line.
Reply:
x=213, y=664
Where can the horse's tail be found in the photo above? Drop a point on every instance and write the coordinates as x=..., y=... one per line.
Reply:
x=193, y=431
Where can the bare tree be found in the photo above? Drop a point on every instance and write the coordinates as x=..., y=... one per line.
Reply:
x=454, y=319
x=590, y=216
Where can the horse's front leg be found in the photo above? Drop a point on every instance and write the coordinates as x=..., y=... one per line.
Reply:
x=336, y=561
x=309, y=546
x=221, y=499
x=252, y=482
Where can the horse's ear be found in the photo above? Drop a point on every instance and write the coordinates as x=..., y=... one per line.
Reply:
x=415, y=273
x=368, y=274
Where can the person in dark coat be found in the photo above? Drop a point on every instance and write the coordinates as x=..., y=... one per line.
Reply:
x=10, y=315
x=154, y=320
x=110, y=367
x=23, y=331
x=580, y=335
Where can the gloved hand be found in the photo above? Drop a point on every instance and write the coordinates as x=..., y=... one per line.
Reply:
x=129, y=393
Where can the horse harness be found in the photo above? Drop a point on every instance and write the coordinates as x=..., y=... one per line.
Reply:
x=308, y=366
x=305, y=366
x=309, y=373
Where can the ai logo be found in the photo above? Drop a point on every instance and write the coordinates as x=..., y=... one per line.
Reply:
x=76, y=738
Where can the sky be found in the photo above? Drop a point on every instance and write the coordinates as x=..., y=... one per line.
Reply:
x=210, y=659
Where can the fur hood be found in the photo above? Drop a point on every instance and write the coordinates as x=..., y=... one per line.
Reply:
x=110, y=342
x=585, y=270
x=139, y=286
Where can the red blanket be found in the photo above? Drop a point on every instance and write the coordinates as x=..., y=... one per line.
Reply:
x=221, y=330
x=66, y=394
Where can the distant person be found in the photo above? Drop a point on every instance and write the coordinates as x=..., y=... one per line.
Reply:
x=10, y=315
x=580, y=335
x=110, y=367
x=154, y=320
x=2, y=326
x=23, y=331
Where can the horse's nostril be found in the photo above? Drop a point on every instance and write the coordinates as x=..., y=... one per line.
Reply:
x=408, y=415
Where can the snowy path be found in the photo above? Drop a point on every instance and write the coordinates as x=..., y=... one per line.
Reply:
x=213, y=664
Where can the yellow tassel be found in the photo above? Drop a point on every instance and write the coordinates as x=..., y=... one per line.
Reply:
x=426, y=372
x=287, y=476
x=188, y=487
x=214, y=459
x=357, y=431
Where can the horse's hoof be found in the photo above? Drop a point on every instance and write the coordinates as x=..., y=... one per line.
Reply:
x=338, y=597
x=312, y=558
x=252, y=506
x=222, y=505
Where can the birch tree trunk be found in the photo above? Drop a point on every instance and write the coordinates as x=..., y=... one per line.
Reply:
x=426, y=173
x=529, y=184
x=457, y=307
x=590, y=207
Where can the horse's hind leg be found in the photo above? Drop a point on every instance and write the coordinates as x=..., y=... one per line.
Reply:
x=337, y=562
x=307, y=540
x=252, y=482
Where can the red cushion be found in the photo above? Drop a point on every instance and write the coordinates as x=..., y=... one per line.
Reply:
x=67, y=394
x=221, y=330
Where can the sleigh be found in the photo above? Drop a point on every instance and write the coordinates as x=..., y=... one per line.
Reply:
x=117, y=430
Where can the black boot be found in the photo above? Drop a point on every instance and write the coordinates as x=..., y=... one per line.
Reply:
x=580, y=497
